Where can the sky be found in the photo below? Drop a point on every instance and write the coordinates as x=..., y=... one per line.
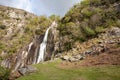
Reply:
x=42, y=7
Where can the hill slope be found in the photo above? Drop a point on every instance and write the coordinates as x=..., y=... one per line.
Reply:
x=88, y=19
x=90, y=32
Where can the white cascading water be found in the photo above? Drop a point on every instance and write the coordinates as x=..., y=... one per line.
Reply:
x=42, y=49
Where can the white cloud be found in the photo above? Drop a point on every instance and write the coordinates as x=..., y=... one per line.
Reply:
x=41, y=7
x=24, y=4
x=49, y=7
x=21, y=4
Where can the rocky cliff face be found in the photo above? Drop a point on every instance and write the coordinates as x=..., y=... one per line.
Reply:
x=13, y=23
x=95, y=46
x=13, y=29
x=21, y=36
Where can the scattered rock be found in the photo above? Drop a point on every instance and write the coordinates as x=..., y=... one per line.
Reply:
x=79, y=57
x=111, y=41
x=115, y=31
x=72, y=59
x=58, y=55
x=65, y=58
x=88, y=52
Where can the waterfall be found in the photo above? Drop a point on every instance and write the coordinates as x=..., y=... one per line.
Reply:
x=42, y=49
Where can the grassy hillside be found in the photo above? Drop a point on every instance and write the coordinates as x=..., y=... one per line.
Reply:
x=56, y=71
x=105, y=66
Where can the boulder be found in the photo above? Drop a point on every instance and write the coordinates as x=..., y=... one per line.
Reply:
x=72, y=59
x=27, y=70
x=65, y=58
x=88, y=51
x=58, y=55
x=31, y=69
x=22, y=71
x=79, y=57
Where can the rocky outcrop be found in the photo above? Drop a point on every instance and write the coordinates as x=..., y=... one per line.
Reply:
x=98, y=46
x=25, y=56
x=13, y=35
x=27, y=70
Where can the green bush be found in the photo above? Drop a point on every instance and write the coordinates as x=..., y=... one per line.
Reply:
x=95, y=2
x=54, y=18
x=85, y=3
x=4, y=73
x=12, y=50
x=87, y=12
x=28, y=30
x=67, y=19
x=88, y=31
x=118, y=45
x=110, y=23
x=62, y=29
x=68, y=46
x=34, y=21
x=38, y=31
x=2, y=46
x=118, y=23
x=99, y=29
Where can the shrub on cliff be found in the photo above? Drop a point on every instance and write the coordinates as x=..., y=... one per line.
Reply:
x=88, y=31
x=4, y=73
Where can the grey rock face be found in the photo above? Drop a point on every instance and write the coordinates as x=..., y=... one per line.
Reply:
x=22, y=71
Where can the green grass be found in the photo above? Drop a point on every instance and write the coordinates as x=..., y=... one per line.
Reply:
x=49, y=71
